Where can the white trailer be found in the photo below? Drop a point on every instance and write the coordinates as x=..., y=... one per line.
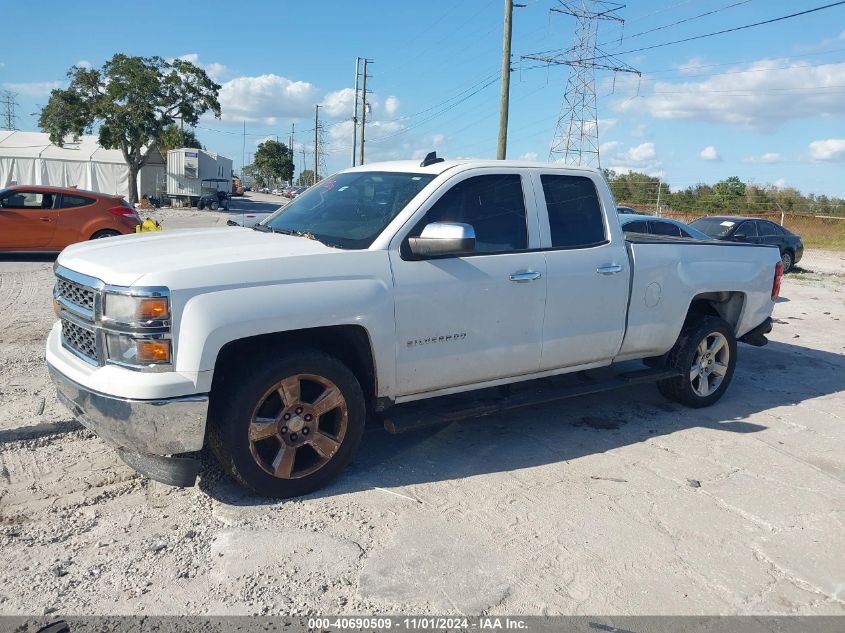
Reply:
x=192, y=173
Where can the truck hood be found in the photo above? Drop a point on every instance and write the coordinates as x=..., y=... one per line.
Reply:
x=125, y=260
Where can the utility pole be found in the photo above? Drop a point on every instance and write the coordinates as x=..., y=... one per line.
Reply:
x=576, y=140
x=290, y=149
x=7, y=100
x=355, y=111
x=364, y=109
x=243, y=152
x=316, y=140
x=504, y=100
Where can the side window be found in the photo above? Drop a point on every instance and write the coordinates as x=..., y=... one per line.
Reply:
x=70, y=201
x=749, y=229
x=495, y=207
x=665, y=228
x=767, y=229
x=575, y=216
x=637, y=226
x=27, y=200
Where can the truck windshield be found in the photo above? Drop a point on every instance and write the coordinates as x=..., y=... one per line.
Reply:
x=348, y=210
x=714, y=227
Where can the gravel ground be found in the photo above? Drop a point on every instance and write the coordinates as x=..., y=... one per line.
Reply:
x=620, y=504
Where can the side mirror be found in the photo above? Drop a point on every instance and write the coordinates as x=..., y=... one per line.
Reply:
x=443, y=238
x=739, y=237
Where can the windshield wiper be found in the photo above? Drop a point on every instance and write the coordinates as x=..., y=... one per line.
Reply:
x=263, y=228
x=305, y=234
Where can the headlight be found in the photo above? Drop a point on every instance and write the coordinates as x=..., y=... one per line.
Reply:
x=137, y=351
x=133, y=309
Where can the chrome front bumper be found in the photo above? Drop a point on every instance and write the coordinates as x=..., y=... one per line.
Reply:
x=140, y=429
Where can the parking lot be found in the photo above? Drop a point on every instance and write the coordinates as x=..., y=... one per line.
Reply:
x=615, y=504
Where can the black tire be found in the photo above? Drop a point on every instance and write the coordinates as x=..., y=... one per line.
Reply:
x=214, y=205
x=687, y=388
x=788, y=261
x=104, y=233
x=240, y=396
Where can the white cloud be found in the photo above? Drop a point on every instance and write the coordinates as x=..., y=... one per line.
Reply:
x=437, y=140
x=609, y=147
x=691, y=66
x=832, y=149
x=266, y=98
x=761, y=95
x=339, y=103
x=780, y=183
x=83, y=63
x=528, y=156
x=215, y=70
x=642, y=158
x=391, y=105
x=35, y=88
x=768, y=157
x=642, y=152
x=710, y=153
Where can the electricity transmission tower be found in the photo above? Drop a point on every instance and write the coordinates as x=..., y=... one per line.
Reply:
x=576, y=140
x=8, y=103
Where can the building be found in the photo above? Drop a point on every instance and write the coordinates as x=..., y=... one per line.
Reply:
x=29, y=158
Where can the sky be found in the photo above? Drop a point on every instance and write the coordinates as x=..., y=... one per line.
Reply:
x=766, y=104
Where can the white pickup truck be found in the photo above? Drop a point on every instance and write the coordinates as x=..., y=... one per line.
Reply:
x=381, y=285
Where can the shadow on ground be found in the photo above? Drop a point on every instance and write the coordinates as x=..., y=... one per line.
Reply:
x=773, y=376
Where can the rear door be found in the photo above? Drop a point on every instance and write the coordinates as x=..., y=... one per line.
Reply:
x=466, y=319
x=770, y=233
x=27, y=219
x=587, y=273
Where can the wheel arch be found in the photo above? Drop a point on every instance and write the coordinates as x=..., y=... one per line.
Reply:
x=727, y=305
x=350, y=344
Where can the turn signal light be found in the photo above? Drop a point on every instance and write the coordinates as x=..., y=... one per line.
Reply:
x=152, y=308
x=154, y=351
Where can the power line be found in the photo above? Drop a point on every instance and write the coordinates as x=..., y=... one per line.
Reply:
x=722, y=32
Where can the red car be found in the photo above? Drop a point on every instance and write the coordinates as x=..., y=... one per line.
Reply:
x=47, y=219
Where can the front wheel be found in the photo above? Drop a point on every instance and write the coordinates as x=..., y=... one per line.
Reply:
x=214, y=205
x=705, y=354
x=102, y=234
x=290, y=425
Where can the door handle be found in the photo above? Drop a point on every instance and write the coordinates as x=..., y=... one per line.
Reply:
x=521, y=278
x=610, y=269
x=44, y=219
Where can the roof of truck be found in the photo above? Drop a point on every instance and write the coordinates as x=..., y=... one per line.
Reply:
x=414, y=166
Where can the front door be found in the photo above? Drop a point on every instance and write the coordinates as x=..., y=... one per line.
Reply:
x=467, y=319
x=27, y=219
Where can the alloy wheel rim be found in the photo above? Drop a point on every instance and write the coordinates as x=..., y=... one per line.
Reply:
x=710, y=364
x=297, y=426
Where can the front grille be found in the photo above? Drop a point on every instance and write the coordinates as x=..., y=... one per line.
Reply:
x=79, y=339
x=76, y=294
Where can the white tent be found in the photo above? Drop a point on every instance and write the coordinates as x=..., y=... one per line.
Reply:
x=29, y=158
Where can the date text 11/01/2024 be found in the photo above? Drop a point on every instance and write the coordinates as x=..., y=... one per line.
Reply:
x=419, y=623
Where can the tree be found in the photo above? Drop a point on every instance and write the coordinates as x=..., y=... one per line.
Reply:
x=252, y=172
x=306, y=178
x=132, y=101
x=173, y=137
x=274, y=160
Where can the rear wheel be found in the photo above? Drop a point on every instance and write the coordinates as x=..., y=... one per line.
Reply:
x=105, y=233
x=214, y=205
x=788, y=260
x=290, y=425
x=705, y=354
